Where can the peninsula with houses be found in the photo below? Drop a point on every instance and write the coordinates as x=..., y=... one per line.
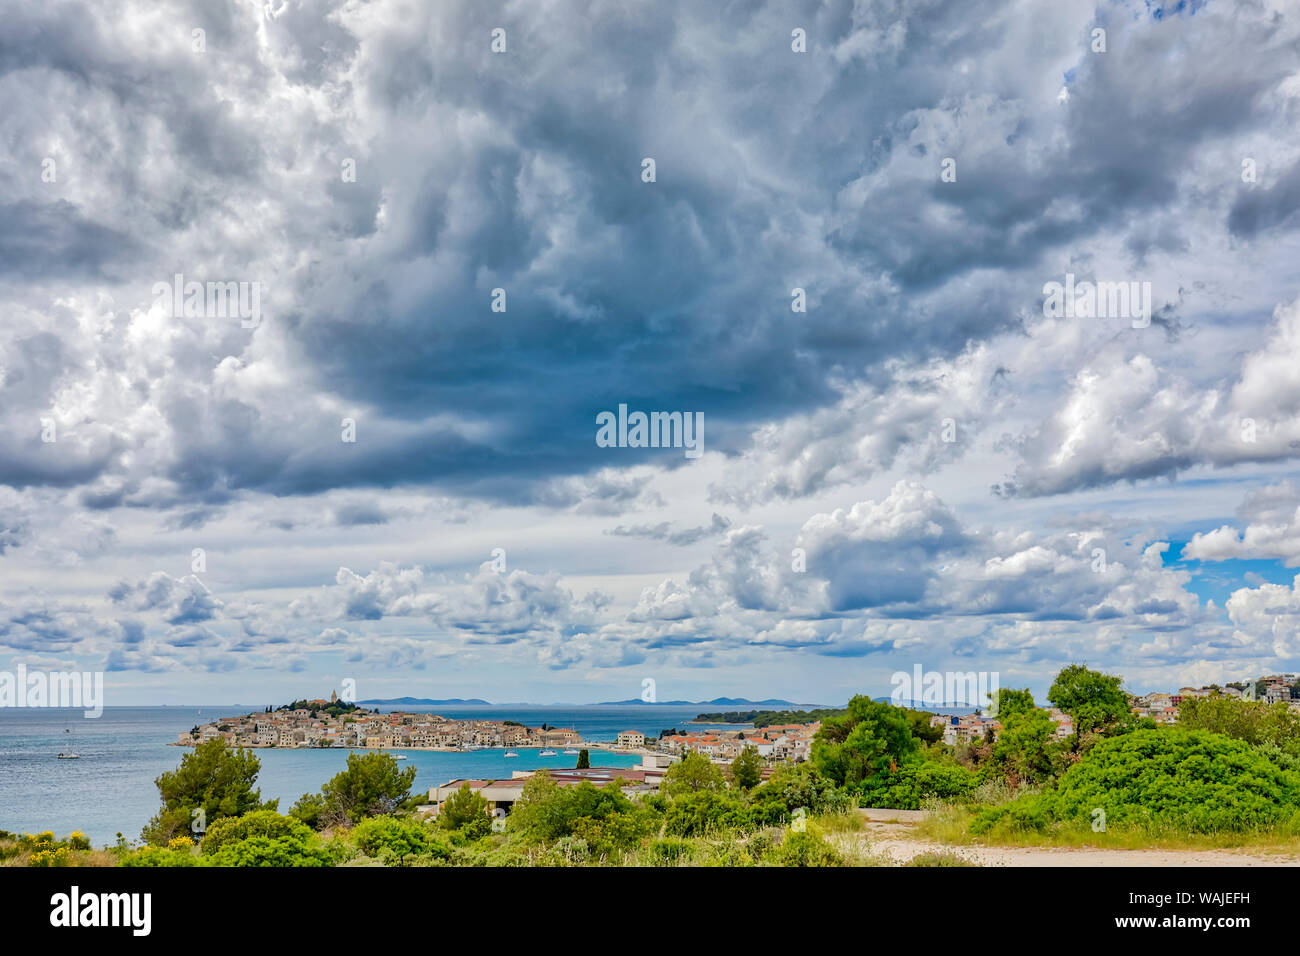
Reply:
x=333, y=723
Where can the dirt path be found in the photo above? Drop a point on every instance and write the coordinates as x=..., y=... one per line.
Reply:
x=891, y=834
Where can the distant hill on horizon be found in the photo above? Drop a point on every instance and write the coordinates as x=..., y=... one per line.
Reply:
x=770, y=702
x=717, y=702
x=425, y=702
x=956, y=710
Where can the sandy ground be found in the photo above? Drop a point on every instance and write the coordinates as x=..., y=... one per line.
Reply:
x=891, y=834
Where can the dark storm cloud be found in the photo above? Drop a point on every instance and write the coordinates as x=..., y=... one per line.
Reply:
x=56, y=240
x=1267, y=208
x=521, y=171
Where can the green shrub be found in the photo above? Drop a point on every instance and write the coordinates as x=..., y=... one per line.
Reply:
x=157, y=856
x=803, y=849
x=792, y=786
x=264, y=823
x=616, y=833
x=668, y=852
x=907, y=787
x=546, y=811
x=707, y=811
x=394, y=839
x=463, y=809
x=283, y=851
x=1166, y=779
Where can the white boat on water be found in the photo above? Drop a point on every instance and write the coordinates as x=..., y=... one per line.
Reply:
x=571, y=752
x=399, y=756
x=69, y=756
x=511, y=753
x=548, y=753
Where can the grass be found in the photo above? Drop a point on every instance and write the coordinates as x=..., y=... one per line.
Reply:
x=942, y=858
x=33, y=851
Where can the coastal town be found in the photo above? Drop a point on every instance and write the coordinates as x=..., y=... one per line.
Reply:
x=332, y=723
x=1161, y=707
x=1273, y=689
x=329, y=723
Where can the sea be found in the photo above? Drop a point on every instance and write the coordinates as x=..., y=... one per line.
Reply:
x=110, y=789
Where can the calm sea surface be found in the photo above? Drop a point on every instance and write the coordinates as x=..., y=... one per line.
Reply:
x=111, y=788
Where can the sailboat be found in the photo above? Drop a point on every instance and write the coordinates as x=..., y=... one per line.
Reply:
x=69, y=755
x=547, y=753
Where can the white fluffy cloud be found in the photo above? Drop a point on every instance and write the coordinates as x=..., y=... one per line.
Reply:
x=866, y=431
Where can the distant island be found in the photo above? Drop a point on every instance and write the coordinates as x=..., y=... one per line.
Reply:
x=768, y=718
x=777, y=718
x=426, y=702
x=716, y=702
x=769, y=703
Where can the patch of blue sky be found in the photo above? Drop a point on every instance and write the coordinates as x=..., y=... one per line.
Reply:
x=1218, y=579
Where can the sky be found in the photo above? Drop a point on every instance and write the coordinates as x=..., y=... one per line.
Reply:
x=454, y=257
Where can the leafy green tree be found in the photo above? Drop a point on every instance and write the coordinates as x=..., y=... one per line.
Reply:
x=1012, y=702
x=309, y=809
x=860, y=749
x=1255, y=722
x=584, y=759
x=214, y=779
x=371, y=785
x=747, y=768
x=1024, y=747
x=693, y=773
x=463, y=808
x=921, y=727
x=1094, y=700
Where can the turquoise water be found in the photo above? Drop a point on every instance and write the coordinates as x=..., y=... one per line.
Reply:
x=111, y=788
